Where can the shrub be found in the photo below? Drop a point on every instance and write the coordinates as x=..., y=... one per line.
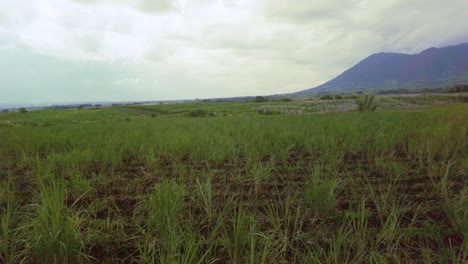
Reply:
x=286, y=100
x=353, y=96
x=463, y=98
x=23, y=110
x=260, y=99
x=366, y=104
x=198, y=113
x=326, y=97
x=338, y=97
x=461, y=88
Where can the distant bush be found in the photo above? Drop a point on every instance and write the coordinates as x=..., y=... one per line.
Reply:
x=200, y=113
x=5, y=111
x=260, y=99
x=339, y=97
x=267, y=112
x=459, y=88
x=353, y=96
x=23, y=110
x=395, y=91
x=326, y=97
x=462, y=98
x=366, y=104
x=82, y=106
x=286, y=100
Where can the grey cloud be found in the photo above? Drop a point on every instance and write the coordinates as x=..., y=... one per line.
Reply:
x=157, y=6
x=390, y=24
x=89, y=44
x=149, y=6
x=86, y=1
x=298, y=11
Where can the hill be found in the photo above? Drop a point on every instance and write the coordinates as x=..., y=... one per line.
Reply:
x=432, y=68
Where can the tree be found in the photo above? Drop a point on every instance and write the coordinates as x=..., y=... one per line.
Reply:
x=366, y=104
x=22, y=110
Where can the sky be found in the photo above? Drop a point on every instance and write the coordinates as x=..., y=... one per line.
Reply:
x=65, y=51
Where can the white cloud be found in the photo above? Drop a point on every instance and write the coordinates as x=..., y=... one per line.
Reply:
x=213, y=48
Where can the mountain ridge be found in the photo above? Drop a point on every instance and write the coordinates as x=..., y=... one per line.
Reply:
x=432, y=67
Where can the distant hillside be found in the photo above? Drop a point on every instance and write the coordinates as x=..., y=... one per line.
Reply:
x=434, y=67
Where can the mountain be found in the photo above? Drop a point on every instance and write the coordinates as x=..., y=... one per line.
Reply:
x=432, y=68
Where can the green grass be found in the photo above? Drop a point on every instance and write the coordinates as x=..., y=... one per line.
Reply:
x=320, y=194
x=235, y=186
x=54, y=235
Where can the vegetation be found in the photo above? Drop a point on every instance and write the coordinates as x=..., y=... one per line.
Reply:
x=342, y=187
x=260, y=99
x=461, y=88
x=265, y=111
x=197, y=113
x=366, y=104
x=351, y=97
x=326, y=97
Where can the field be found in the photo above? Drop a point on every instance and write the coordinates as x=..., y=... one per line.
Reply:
x=308, y=181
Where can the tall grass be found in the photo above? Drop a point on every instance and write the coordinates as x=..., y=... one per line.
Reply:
x=164, y=239
x=54, y=235
x=320, y=194
x=239, y=237
x=286, y=218
x=10, y=227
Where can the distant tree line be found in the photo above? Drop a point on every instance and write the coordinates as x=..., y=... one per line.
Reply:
x=460, y=88
x=260, y=99
x=338, y=97
x=73, y=106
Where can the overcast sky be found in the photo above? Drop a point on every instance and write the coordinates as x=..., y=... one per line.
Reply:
x=55, y=51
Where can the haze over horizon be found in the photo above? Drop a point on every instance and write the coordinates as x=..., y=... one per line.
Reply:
x=64, y=51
